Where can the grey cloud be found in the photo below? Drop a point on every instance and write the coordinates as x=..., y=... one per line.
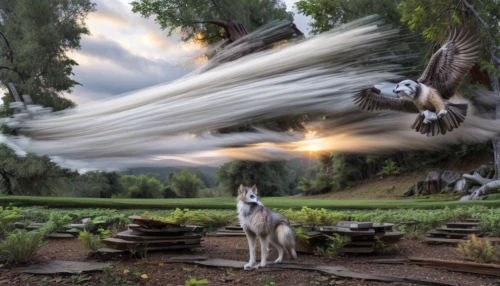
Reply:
x=101, y=80
x=126, y=72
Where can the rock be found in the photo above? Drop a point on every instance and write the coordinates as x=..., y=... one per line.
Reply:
x=449, y=179
x=435, y=183
x=473, y=189
x=411, y=191
x=63, y=267
x=485, y=171
x=459, y=186
x=466, y=198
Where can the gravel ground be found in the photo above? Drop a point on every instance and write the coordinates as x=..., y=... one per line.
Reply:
x=236, y=248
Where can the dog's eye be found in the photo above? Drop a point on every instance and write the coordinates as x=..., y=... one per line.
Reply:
x=407, y=84
x=252, y=197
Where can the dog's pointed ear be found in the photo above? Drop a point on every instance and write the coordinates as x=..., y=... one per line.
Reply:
x=242, y=189
x=254, y=190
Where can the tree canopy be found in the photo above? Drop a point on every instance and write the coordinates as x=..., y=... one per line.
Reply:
x=430, y=20
x=38, y=35
x=271, y=178
x=186, y=15
x=185, y=184
x=31, y=175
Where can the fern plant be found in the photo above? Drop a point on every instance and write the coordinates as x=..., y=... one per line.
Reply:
x=480, y=251
x=334, y=244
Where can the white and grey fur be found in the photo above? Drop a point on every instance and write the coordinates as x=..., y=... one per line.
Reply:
x=268, y=226
x=425, y=98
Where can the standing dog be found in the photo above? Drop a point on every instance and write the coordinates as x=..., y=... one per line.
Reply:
x=269, y=226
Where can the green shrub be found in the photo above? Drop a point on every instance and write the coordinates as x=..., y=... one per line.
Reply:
x=203, y=218
x=91, y=242
x=8, y=216
x=308, y=216
x=390, y=168
x=480, y=251
x=57, y=222
x=333, y=245
x=301, y=234
x=21, y=246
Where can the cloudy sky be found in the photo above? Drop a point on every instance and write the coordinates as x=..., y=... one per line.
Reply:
x=126, y=52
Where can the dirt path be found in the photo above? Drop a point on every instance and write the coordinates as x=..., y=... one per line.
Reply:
x=236, y=248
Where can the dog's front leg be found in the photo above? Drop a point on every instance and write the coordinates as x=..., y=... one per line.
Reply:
x=264, y=242
x=251, y=246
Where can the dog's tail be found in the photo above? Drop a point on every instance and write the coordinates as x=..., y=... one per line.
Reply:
x=286, y=238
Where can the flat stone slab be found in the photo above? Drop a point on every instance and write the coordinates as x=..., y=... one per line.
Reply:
x=109, y=250
x=326, y=269
x=63, y=267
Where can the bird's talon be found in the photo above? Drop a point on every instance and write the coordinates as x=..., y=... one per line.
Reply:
x=442, y=113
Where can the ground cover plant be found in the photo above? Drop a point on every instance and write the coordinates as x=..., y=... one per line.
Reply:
x=21, y=245
x=229, y=203
x=425, y=218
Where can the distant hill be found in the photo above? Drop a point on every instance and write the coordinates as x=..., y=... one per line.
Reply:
x=164, y=171
x=298, y=164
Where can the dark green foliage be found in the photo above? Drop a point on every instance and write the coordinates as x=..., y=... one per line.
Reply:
x=31, y=175
x=40, y=33
x=331, y=13
x=390, y=168
x=305, y=184
x=185, y=184
x=173, y=14
x=141, y=187
x=168, y=193
x=207, y=181
x=97, y=184
x=272, y=178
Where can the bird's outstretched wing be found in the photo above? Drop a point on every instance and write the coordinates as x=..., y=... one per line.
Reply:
x=451, y=63
x=455, y=116
x=371, y=100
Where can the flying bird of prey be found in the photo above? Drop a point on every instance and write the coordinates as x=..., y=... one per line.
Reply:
x=439, y=82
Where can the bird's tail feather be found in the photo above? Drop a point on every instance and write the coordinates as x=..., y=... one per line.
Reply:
x=455, y=116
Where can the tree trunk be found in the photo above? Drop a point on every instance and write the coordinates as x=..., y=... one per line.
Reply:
x=490, y=188
x=477, y=178
x=496, y=148
x=7, y=183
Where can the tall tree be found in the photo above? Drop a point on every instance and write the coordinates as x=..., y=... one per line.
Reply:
x=434, y=18
x=185, y=184
x=271, y=178
x=327, y=14
x=189, y=16
x=39, y=34
x=31, y=175
x=96, y=184
x=141, y=186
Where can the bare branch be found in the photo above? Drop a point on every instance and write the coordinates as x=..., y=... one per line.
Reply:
x=477, y=178
x=11, y=57
x=485, y=25
x=490, y=188
x=21, y=75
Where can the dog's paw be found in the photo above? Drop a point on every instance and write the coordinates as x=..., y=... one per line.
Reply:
x=260, y=265
x=248, y=266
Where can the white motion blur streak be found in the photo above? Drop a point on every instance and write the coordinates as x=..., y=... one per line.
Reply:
x=169, y=124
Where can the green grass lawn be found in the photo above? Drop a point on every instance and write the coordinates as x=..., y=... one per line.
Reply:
x=230, y=203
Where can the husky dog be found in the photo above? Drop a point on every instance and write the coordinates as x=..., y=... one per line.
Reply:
x=269, y=226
